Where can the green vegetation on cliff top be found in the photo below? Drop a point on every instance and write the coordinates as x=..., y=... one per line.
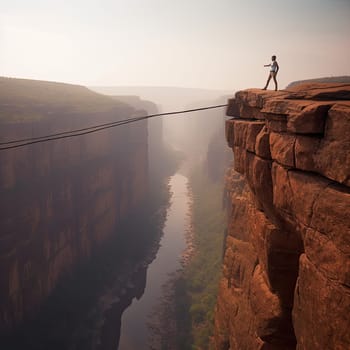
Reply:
x=26, y=100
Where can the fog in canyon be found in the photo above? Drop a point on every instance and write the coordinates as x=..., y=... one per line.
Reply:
x=105, y=215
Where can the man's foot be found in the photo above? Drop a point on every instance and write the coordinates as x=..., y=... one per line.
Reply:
x=263, y=88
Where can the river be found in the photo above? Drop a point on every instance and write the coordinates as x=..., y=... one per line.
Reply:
x=135, y=332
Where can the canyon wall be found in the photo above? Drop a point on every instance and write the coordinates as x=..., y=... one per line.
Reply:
x=61, y=200
x=286, y=269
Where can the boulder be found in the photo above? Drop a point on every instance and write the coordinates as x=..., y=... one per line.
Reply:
x=232, y=108
x=311, y=120
x=262, y=144
x=282, y=148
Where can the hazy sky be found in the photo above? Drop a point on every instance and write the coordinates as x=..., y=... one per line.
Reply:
x=218, y=44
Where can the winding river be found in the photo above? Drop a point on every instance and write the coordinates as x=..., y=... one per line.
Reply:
x=135, y=332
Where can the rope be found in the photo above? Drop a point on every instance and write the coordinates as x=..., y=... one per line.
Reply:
x=89, y=130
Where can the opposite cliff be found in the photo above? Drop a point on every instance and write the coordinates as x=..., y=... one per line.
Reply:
x=286, y=270
x=61, y=200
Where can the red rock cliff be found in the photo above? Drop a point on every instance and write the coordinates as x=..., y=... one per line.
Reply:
x=286, y=270
x=62, y=199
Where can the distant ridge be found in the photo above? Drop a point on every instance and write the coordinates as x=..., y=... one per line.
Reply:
x=167, y=98
x=339, y=79
x=127, y=88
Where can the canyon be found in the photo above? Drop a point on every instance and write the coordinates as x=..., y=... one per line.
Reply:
x=286, y=267
x=65, y=203
x=84, y=220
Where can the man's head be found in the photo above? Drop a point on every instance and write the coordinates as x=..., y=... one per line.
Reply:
x=273, y=58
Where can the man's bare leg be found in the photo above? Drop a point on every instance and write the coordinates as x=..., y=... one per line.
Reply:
x=275, y=80
x=267, y=83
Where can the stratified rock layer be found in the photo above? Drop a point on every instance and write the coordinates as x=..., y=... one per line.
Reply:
x=286, y=270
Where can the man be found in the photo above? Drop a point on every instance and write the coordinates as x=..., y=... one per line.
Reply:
x=273, y=72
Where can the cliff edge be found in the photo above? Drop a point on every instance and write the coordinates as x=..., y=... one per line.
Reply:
x=286, y=269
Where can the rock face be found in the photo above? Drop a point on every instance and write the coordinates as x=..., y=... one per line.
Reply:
x=61, y=200
x=286, y=269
